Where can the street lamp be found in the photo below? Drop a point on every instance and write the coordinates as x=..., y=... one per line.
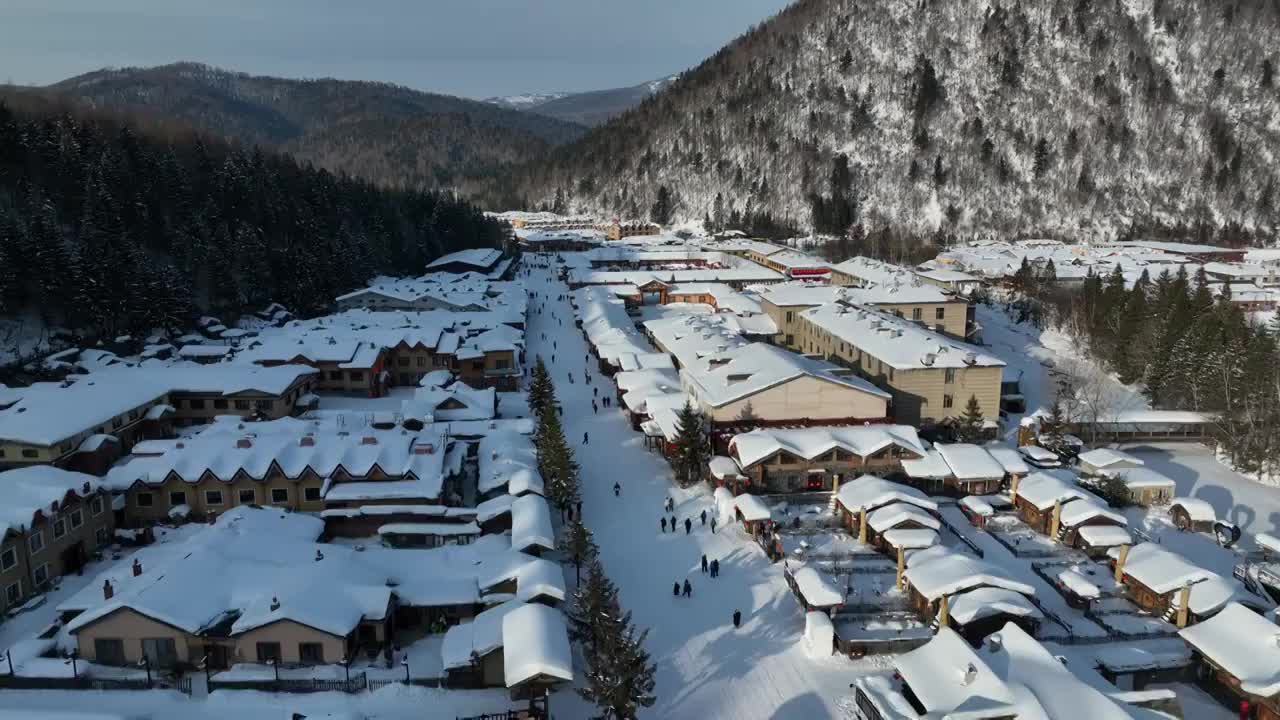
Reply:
x=346, y=665
x=71, y=660
x=145, y=662
x=274, y=666
x=405, y=663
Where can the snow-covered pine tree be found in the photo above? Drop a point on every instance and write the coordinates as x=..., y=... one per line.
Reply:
x=693, y=449
x=578, y=544
x=969, y=424
x=620, y=676
x=594, y=601
x=541, y=389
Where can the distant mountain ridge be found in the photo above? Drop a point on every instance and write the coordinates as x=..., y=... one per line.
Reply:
x=405, y=137
x=590, y=108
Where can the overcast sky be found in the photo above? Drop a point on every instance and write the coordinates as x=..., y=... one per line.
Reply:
x=474, y=48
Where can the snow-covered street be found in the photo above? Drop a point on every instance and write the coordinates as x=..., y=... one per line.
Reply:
x=705, y=667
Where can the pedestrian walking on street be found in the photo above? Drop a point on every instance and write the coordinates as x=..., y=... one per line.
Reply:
x=585, y=440
x=713, y=525
x=595, y=410
x=688, y=588
x=704, y=563
x=664, y=523
x=617, y=490
x=688, y=526
x=715, y=568
x=675, y=588
x=673, y=523
x=737, y=619
x=595, y=391
x=704, y=517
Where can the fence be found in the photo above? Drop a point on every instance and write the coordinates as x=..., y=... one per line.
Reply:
x=355, y=684
x=417, y=682
x=19, y=682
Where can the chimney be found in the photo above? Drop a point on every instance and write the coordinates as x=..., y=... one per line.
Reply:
x=902, y=565
x=137, y=567
x=1013, y=487
x=1120, y=561
x=244, y=442
x=307, y=441
x=944, y=612
x=368, y=440
x=862, y=526
x=107, y=590
x=1184, y=605
x=1056, y=520
x=275, y=604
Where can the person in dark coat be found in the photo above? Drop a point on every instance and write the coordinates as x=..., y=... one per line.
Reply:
x=704, y=563
x=675, y=588
x=673, y=523
x=704, y=517
x=585, y=440
x=688, y=589
x=737, y=618
x=688, y=526
x=664, y=523
x=595, y=410
x=713, y=526
x=617, y=489
x=715, y=568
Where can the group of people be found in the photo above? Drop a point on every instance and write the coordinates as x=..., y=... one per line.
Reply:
x=669, y=505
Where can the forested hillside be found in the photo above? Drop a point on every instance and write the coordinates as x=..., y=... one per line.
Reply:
x=385, y=133
x=585, y=108
x=109, y=230
x=1067, y=118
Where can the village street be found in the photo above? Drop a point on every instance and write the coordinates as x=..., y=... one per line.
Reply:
x=705, y=667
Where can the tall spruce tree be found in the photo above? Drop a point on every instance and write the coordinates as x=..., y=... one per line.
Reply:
x=619, y=676
x=578, y=545
x=969, y=426
x=541, y=389
x=693, y=449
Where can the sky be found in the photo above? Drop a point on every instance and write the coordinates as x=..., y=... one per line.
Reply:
x=473, y=48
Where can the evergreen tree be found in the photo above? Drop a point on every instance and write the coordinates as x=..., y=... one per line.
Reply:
x=556, y=462
x=693, y=450
x=620, y=676
x=541, y=390
x=969, y=426
x=578, y=544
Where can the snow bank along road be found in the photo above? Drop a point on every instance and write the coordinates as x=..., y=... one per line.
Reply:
x=705, y=668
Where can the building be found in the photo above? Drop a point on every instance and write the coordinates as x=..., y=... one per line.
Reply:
x=51, y=521
x=1239, y=653
x=924, y=305
x=1192, y=514
x=477, y=260
x=759, y=384
x=930, y=376
x=54, y=422
x=617, y=230
x=465, y=292
x=960, y=468
x=774, y=460
x=344, y=366
x=953, y=280
x=1064, y=511
x=857, y=499
x=256, y=587
x=792, y=264
x=968, y=594
x=1168, y=585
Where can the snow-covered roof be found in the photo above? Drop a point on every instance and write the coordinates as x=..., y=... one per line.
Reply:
x=1079, y=584
x=26, y=491
x=951, y=572
x=817, y=588
x=1267, y=542
x=987, y=601
x=869, y=492
x=535, y=644
x=1199, y=510
x=752, y=508
x=1008, y=458
x=931, y=467
x=531, y=523
x=1105, y=536
x=476, y=637
x=508, y=458
x=812, y=442
x=1043, y=490
x=899, y=343
x=1244, y=644
x=441, y=529
x=479, y=258
x=970, y=462
x=458, y=401
x=1107, y=457
x=1143, y=477
x=978, y=506
x=1211, y=595
x=892, y=515
x=910, y=539
x=722, y=467
x=741, y=372
x=1160, y=570
x=1078, y=511
x=494, y=507
x=950, y=680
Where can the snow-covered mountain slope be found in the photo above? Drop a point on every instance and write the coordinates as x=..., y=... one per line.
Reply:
x=585, y=108
x=526, y=101
x=1074, y=118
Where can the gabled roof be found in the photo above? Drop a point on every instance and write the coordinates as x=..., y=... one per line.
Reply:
x=952, y=681
x=970, y=462
x=1244, y=644
x=890, y=516
x=744, y=371
x=1043, y=490
x=897, y=342
x=951, y=572
x=869, y=492
x=535, y=644
x=810, y=443
x=35, y=489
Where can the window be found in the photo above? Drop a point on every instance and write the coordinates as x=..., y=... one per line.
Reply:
x=502, y=364
x=242, y=405
x=177, y=498
x=108, y=651
x=949, y=375
x=477, y=365
x=422, y=361
x=279, y=495
x=262, y=404
x=96, y=506
x=356, y=376
x=197, y=404
x=917, y=314
x=101, y=536
x=248, y=497
x=220, y=404
x=41, y=575
x=30, y=453
x=212, y=497
x=1, y=452
x=268, y=652
x=335, y=374
x=117, y=423
x=162, y=652
x=890, y=374
x=35, y=541
x=947, y=401
x=940, y=313
x=145, y=499
x=311, y=494
x=790, y=316
x=13, y=594
x=402, y=361
x=440, y=361
x=311, y=653
x=8, y=558
x=77, y=518
x=59, y=528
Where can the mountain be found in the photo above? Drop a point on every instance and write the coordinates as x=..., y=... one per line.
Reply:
x=585, y=108
x=385, y=133
x=108, y=227
x=1063, y=118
